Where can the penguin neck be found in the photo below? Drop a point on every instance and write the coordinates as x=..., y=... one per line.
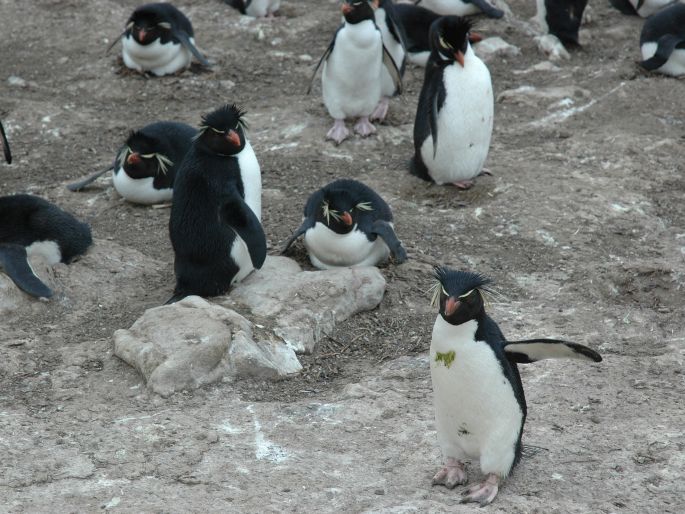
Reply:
x=364, y=33
x=448, y=337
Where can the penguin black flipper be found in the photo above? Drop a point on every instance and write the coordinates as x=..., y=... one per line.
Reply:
x=323, y=58
x=394, y=26
x=438, y=99
x=14, y=262
x=183, y=37
x=5, y=145
x=118, y=38
x=532, y=350
x=240, y=5
x=383, y=229
x=489, y=10
x=306, y=225
x=393, y=70
x=235, y=213
x=77, y=186
x=665, y=46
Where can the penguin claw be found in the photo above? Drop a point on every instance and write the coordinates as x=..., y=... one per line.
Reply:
x=451, y=475
x=381, y=110
x=482, y=493
x=364, y=128
x=338, y=132
x=463, y=184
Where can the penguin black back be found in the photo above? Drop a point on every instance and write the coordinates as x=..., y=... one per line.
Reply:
x=154, y=21
x=416, y=22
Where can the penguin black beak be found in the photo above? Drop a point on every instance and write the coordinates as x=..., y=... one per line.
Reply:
x=133, y=159
x=233, y=138
x=459, y=56
x=347, y=218
x=451, y=306
x=475, y=37
x=347, y=9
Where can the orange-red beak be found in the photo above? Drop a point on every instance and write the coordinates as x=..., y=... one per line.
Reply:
x=133, y=159
x=141, y=35
x=459, y=56
x=347, y=9
x=233, y=137
x=451, y=306
x=347, y=218
x=475, y=37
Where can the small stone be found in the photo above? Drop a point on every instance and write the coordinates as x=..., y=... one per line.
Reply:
x=379, y=492
x=15, y=81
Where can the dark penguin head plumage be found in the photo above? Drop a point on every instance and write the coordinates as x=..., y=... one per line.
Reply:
x=154, y=21
x=341, y=209
x=5, y=145
x=563, y=19
x=449, y=39
x=459, y=295
x=356, y=11
x=223, y=131
x=140, y=156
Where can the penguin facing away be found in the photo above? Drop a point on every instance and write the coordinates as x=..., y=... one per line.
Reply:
x=5, y=145
x=454, y=117
x=561, y=18
x=642, y=8
x=145, y=166
x=346, y=223
x=214, y=226
x=159, y=39
x=31, y=225
x=662, y=41
x=351, y=77
x=461, y=7
x=480, y=407
x=256, y=8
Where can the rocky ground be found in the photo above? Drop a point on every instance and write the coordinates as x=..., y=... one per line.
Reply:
x=582, y=226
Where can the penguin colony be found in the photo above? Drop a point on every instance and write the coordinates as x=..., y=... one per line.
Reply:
x=212, y=177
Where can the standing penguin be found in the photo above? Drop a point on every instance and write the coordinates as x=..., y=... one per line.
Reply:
x=454, y=116
x=643, y=8
x=256, y=8
x=480, y=407
x=461, y=7
x=394, y=42
x=215, y=224
x=662, y=41
x=5, y=145
x=351, y=78
x=159, y=39
x=28, y=225
x=145, y=166
x=561, y=18
x=346, y=223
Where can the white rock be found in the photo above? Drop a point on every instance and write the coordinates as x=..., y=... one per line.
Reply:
x=529, y=95
x=492, y=47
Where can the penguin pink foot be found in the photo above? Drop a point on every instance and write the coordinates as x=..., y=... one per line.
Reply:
x=451, y=474
x=463, y=184
x=482, y=493
x=363, y=127
x=338, y=132
x=381, y=110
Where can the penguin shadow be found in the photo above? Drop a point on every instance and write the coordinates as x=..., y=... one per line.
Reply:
x=448, y=196
x=195, y=68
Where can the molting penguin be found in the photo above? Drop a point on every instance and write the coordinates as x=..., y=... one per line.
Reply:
x=662, y=41
x=561, y=18
x=256, y=8
x=480, y=407
x=643, y=8
x=145, y=166
x=351, y=78
x=454, y=116
x=461, y=7
x=215, y=224
x=346, y=223
x=158, y=39
x=5, y=145
x=31, y=225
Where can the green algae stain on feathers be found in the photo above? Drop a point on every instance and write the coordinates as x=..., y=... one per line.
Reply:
x=447, y=358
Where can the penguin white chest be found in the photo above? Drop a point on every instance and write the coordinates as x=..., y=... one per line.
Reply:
x=675, y=65
x=476, y=412
x=446, y=7
x=351, y=78
x=464, y=123
x=157, y=58
x=260, y=8
x=328, y=249
x=241, y=256
x=251, y=176
x=139, y=190
x=395, y=50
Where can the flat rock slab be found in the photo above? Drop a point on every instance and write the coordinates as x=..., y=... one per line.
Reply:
x=492, y=47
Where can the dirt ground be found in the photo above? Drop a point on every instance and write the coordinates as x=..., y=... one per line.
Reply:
x=582, y=226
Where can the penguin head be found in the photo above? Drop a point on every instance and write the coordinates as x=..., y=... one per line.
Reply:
x=223, y=131
x=563, y=19
x=341, y=211
x=356, y=11
x=147, y=23
x=140, y=157
x=449, y=38
x=459, y=294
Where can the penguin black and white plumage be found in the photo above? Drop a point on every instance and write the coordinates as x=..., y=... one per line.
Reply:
x=480, y=407
x=454, y=117
x=159, y=39
x=145, y=166
x=5, y=145
x=461, y=7
x=346, y=223
x=561, y=18
x=256, y=8
x=31, y=225
x=352, y=75
x=215, y=226
x=662, y=41
x=416, y=22
x=642, y=8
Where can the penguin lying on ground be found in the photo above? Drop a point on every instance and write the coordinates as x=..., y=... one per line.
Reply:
x=480, y=407
x=346, y=223
x=642, y=8
x=461, y=7
x=5, y=145
x=454, y=116
x=256, y=8
x=662, y=41
x=561, y=18
x=145, y=166
x=351, y=78
x=158, y=39
x=29, y=225
x=215, y=224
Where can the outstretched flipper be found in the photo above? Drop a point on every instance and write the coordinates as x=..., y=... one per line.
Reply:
x=5, y=145
x=665, y=46
x=532, y=350
x=185, y=41
x=77, y=186
x=488, y=9
x=14, y=262
x=394, y=71
x=306, y=225
x=386, y=232
x=323, y=58
x=236, y=214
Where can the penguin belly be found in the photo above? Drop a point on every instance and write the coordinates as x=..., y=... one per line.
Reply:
x=260, y=8
x=139, y=190
x=446, y=7
x=241, y=256
x=251, y=176
x=328, y=249
x=49, y=250
x=418, y=58
x=351, y=80
x=675, y=65
x=476, y=412
x=464, y=123
x=157, y=58
x=395, y=50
